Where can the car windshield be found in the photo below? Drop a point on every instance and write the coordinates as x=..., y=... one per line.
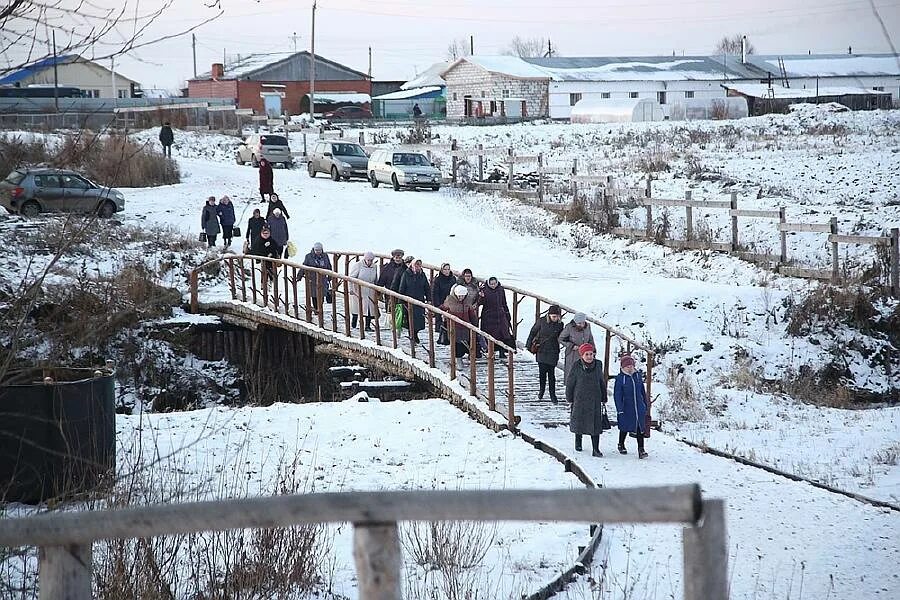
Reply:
x=410, y=159
x=273, y=140
x=15, y=177
x=348, y=150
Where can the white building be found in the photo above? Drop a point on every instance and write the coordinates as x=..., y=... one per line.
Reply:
x=94, y=79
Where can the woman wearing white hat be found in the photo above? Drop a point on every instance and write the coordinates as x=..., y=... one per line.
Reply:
x=362, y=299
x=458, y=305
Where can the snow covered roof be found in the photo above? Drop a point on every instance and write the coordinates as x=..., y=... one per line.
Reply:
x=410, y=93
x=35, y=68
x=830, y=65
x=341, y=98
x=761, y=90
x=653, y=68
x=246, y=66
x=511, y=66
x=429, y=77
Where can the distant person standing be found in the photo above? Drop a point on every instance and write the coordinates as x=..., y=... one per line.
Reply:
x=166, y=138
x=279, y=228
x=209, y=221
x=417, y=112
x=543, y=342
x=266, y=179
x=225, y=210
x=275, y=202
x=318, y=259
x=254, y=226
x=362, y=299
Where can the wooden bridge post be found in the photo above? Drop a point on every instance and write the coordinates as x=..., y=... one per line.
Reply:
x=734, y=223
x=515, y=315
x=231, y=279
x=264, y=281
x=492, y=405
x=537, y=310
x=359, y=316
x=895, y=262
x=411, y=329
x=835, y=261
x=276, y=296
x=473, y=363
x=333, y=303
x=308, y=287
x=782, y=234
x=649, y=382
x=244, y=278
x=511, y=391
x=195, y=292
x=376, y=552
x=706, y=555
x=295, y=292
x=377, y=317
x=253, y=279
x=688, y=217
x=430, y=317
x=606, y=352
x=65, y=572
x=451, y=330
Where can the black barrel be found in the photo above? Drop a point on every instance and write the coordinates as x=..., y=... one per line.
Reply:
x=57, y=433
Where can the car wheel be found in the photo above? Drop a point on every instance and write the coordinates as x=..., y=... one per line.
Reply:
x=373, y=180
x=311, y=169
x=30, y=209
x=238, y=159
x=253, y=161
x=395, y=183
x=435, y=187
x=107, y=210
x=335, y=175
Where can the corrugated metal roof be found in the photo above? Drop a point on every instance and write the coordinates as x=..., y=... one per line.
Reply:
x=431, y=76
x=247, y=66
x=829, y=65
x=430, y=91
x=761, y=90
x=642, y=68
x=35, y=67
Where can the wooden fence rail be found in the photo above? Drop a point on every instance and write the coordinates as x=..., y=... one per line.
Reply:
x=65, y=539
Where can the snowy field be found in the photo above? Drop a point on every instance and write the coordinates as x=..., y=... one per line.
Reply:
x=787, y=539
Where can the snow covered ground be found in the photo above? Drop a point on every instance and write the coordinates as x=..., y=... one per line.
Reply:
x=711, y=311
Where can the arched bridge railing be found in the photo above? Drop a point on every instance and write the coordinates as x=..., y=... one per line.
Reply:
x=291, y=289
x=615, y=341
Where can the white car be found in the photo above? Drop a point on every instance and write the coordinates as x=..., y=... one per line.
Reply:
x=403, y=170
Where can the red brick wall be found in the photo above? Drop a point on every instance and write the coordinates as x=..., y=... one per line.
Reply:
x=212, y=89
x=248, y=92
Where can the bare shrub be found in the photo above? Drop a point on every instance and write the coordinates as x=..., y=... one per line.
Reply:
x=685, y=400
x=888, y=456
x=17, y=152
x=719, y=110
x=827, y=306
x=419, y=133
x=822, y=387
x=662, y=228
x=652, y=161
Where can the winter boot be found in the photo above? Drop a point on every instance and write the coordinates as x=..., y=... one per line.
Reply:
x=642, y=454
x=622, y=449
x=577, y=443
x=595, y=443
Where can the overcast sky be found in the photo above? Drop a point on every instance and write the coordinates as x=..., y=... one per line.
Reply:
x=407, y=36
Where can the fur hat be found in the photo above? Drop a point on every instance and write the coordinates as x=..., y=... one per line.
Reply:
x=580, y=318
x=553, y=310
x=460, y=291
x=626, y=361
x=466, y=271
x=397, y=252
x=408, y=259
x=318, y=246
x=585, y=348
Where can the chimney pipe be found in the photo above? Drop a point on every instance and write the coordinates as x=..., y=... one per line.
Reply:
x=743, y=49
x=217, y=71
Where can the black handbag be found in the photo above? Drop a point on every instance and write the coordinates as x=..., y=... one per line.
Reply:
x=444, y=337
x=236, y=231
x=202, y=237
x=604, y=419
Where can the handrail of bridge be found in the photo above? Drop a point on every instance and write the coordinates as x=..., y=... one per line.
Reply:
x=285, y=295
x=66, y=539
x=611, y=331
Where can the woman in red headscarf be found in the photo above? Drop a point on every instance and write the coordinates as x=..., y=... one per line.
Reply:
x=586, y=393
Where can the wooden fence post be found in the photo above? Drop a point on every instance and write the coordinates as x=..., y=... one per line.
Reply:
x=304, y=144
x=480, y=162
x=649, y=232
x=65, y=572
x=453, y=161
x=512, y=167
x=376, y=552
x=648, y=192
x=734, y=223
x=835, y=265
x=540, y=163
x=689, y=217
x=195, y=300
x=706, y=555
x=895, y=262
x=574, y=183
x=782, y=219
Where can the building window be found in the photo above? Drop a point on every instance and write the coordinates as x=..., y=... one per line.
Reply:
x=454, y=96
x=483, y=94
x=604, y=94
x=689, y=94
x=122, y=93
x=661, y=97
x=505, y=94
x=574, y=98
x=91, y=93
x=632, y=94
x=878, y=88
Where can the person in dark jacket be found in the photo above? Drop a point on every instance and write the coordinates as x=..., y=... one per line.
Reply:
x=398, y=274
x=254, y=227
x=414, y=283
x=586, y=393
x=264, y=246
x=266, y=179
x=543, y=341
x=386, y=277
x=209, y=221
x=441, y=286
x=318, y=259
x=417, y=111
x=468, y=280
x=630, y=397
x=279, y=227
x=225, y=211
x=166, y=138
x=495, y=317
x=275, y=202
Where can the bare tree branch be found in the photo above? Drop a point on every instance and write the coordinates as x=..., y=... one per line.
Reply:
x=732, y=45
x=530, y=47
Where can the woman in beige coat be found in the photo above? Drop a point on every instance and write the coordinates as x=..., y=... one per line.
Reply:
x=367, y=270
x=574, y=334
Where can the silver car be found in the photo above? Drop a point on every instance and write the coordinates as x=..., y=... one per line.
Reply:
x=341, y=160
x=403, y=170
x=30, y=192
x=274, y=148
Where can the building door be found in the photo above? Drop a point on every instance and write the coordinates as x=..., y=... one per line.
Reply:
x=467, y=106
x=273, y=105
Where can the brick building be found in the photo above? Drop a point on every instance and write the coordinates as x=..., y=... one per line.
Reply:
x=495, y=86
x=278, y=83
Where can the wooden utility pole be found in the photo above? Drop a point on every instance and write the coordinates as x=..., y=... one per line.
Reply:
x=471, y=45
x=370, y=63
x=194, y=51
x=55, y=75
x=312, y=67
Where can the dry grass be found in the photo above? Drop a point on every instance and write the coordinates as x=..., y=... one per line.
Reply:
x=685, y=402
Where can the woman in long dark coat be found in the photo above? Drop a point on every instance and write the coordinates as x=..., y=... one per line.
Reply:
x=586, y=393
x=414, y=283
x=226, y=218
x=543, y=342
x=266, y=179
x=495, y=317
x=318, y=259
x=631, y=404
x=209, y=221
x=441, y=286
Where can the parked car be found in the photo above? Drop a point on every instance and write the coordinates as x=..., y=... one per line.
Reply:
x=274, y=148
x=349, y=112
x=31, y=191
x=339, y=159
x=403, y=169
